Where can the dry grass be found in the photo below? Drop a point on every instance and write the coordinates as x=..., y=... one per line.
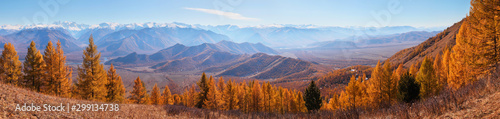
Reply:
x=478, y=100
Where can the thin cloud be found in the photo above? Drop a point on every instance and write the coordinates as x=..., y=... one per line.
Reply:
x=229, y=15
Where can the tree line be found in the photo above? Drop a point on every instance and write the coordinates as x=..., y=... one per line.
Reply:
x=252, y=96
x=476, y=55
x=49, y=74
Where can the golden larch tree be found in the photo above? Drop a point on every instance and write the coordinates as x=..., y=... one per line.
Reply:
x=230, y=96
x=389, y=83
x=50, y=69
x=460, y=58
x=155, y=96
x=256, y=98
x=204, y=87
x=374, y=88
x=33, y=68
x=352, y=93
x=214, y=100
x=445, y=62
x=116, y=90
x=483, y=37
x=91, y=74
x=167, y=97
x=138, y=94
x=413, y=69
x=301, y=104
x=10, y=66
x=63, y=73
x=438, y=70
x=427, y=79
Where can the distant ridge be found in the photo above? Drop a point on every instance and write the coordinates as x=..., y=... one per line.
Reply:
x=263, y=66
x=153, y=39
x=179, y=51
x=41, y=36
x=431, y=47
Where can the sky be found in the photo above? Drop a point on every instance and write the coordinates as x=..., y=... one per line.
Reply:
x=378, y=13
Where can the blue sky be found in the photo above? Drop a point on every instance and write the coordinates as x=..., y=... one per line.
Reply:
x=418, y=13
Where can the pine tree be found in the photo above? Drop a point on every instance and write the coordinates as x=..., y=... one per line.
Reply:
x=167, y=97
x=213, y=96
x=138, y=94
x=280, y=100
x=265, y=96
x=409, y=89
x=363, y=95
x=427, y=79
x=334, y=102
x=62, y=74
x=389, y=84
x=445, y=62
x=116, y=90
x=220, y=88
x=230, y=96
x=204, y=87
x=50, y=69
x=91, y=75
x=10, y=66
x=413, y=69
x=399, y=72
x=147, y=97
x=292, y=102
x=256, y=97
x=301, y=104
x=176, y=99
x=312, y=97
x=242, y=97
x=220, y=84
x=438, y=70
x=155, y=96
x=460, y=58
x=375, y=85
x=483, y=37
x=268, y=92
x=352, y=93
x=190, y=99
x=33, y=68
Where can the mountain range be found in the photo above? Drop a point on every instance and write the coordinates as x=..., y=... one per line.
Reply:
x=276, y=35
x=179, y=51
x=413, y=37
x=41, y=36
x=224, y=58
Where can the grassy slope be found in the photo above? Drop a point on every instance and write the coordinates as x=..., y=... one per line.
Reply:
x=480, y=100
x=10, y=96
x=429, y=48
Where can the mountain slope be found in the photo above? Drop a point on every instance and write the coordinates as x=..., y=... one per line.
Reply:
x=2, y=41
x=263, y=66
x=97, y=34
x=431, y=47
x=42, y=36
x=414, y=37
x=245, y=48
x=179, y=51
x=199, y=62
x=149, y=40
